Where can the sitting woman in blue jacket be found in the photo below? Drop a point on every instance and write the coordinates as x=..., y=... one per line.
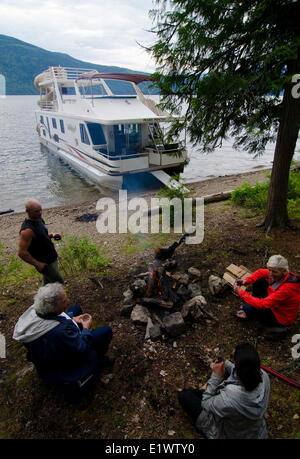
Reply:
x=65, y=352
x=233, y=407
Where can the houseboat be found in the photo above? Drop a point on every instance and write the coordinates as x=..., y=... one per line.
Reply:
x=104, y=126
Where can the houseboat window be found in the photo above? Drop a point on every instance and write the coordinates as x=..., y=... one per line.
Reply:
x=48, y=126
x=128, y=138
x=68, y=91
x=56, y=138
x=84, y=134
x=94, y=90
x=44, y=133
x=121, y=88
x=54, y=123
x=42, y=119
x=62, y=126
x=96, y=133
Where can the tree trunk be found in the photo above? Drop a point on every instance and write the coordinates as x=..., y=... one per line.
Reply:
x=276, y=213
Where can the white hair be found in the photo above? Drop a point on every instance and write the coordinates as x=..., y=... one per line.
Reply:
x=278, y=261
x=47, y=299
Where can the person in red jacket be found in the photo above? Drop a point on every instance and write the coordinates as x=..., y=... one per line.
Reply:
x=275, y=298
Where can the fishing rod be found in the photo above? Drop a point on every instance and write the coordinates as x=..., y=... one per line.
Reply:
x=290, y=381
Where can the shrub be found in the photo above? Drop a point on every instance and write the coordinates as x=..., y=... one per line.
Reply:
x=256, y=197
x=80, y=255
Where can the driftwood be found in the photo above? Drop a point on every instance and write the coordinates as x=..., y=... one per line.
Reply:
x=9, y=211
x=217, y=197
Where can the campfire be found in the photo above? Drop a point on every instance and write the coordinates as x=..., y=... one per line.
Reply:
x=164, y=300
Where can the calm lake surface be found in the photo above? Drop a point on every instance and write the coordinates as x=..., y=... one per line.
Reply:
x=27, y=169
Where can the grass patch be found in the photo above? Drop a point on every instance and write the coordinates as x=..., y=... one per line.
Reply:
x=13, y=271
x=75, y=256
x=80, y=255
x=255, y=197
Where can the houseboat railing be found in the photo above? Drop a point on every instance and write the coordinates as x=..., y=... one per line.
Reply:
x=48, y=105
x=108, y=155
x=69, y=73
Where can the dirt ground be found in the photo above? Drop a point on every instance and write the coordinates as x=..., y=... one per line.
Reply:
x=140, y=400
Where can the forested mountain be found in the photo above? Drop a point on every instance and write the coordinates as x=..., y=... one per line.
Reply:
x=20, y=62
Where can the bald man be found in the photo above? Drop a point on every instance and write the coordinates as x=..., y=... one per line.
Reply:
x=35, y=245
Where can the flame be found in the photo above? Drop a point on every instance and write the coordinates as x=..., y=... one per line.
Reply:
x=154, y=281
x=158, y=285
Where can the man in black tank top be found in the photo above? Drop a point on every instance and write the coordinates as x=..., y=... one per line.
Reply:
x=35, y=245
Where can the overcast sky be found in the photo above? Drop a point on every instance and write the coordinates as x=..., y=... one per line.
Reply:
x=99, y=31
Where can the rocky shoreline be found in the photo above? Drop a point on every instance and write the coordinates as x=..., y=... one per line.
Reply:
x=63, y=218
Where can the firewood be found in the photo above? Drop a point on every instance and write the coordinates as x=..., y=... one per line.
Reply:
x=158, y=302
x=234, y=272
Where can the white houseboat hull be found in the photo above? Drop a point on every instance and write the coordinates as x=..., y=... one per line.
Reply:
x=93, y=174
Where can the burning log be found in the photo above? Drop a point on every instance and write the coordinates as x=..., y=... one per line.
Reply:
x=160, y=284
x=153, y=280
x=157, y=302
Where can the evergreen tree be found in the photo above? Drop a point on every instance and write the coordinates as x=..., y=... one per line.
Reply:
x=234, y=63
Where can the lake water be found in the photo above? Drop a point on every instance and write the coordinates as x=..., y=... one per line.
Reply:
x=27, y=169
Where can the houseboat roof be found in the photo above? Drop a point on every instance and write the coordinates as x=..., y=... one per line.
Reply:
x=132, y=77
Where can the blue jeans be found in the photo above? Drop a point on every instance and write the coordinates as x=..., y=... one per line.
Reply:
x=101, y=338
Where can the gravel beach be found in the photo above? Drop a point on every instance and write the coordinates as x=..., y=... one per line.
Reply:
x=63, y=219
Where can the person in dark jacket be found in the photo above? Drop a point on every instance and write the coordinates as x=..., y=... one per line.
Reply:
x=61, y=345
x=233, y=402
x=35, y=244
x=275, y=298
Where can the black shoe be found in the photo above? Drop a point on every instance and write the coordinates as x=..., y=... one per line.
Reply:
x=107, y=361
